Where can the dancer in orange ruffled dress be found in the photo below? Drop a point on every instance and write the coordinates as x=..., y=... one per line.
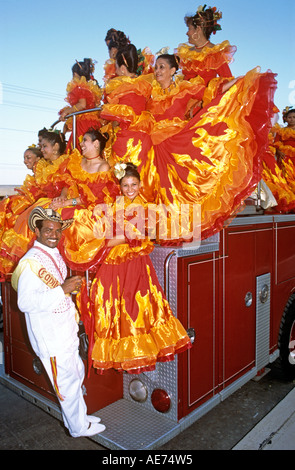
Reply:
x=117, y=40
x=284, y=144
x=201, y=57
x=47, y=185
x=89, y=181
x=284, y=140
x=83, y=93
x=131, y=318
x=114, y=40
x=11, y=207
x=127, y=96
x=214, y=159
x=275, y=177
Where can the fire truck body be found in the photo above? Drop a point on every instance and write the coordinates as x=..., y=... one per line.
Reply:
x=233, y=294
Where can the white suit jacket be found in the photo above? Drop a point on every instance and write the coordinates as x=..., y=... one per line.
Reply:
x=50, y=314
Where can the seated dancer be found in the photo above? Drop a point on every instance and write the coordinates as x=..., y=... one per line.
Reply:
x=126, y=99
x=284, y=143
x=88, y=181
x=114, y=40
x=11, y=207
x=276, y=177
x=130, y=321
x=284, y=140
x=18, y=239
x=82, y=93
x=212, y=160
x=201, y=57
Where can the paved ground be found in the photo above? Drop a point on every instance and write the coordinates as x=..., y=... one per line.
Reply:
x=224, y=426
x=274, y=432
x=26, y=427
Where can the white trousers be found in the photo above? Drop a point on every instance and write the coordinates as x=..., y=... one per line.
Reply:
x=69, y=379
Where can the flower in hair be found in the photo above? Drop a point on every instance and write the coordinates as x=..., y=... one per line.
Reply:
x=119, y=170
x=287, y=109
x=162, y=51
x=217, y=15
x=201, y=8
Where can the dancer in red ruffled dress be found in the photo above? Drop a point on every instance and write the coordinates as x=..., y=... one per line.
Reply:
x=214, y=159
x=127, y=96
x=284, y=143
x=132, y=321
x=114, y=40
x=47, y=185
x=89, y=181
x=276, y=177
x=201, y=57
x=11, y=207
x=83, y=93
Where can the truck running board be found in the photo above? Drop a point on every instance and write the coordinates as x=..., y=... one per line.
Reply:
x=129, y=426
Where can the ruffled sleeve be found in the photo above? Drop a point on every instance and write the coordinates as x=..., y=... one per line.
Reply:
x=209, y=63
x=109, y=70
x=145, y=61
x=49, y=176
x=30, y=189
x=172, y=102
x=80, y=88
x=170, y=107
x=127, y=99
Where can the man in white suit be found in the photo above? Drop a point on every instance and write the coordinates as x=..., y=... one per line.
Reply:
x=44, y=296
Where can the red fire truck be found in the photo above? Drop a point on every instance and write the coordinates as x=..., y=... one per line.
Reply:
x=235, y=295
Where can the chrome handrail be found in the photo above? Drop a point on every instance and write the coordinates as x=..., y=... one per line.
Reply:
x=73, y=115
x=166, y=274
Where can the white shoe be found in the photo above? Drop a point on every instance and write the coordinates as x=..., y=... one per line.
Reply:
x=93, y=419
x=94, y=428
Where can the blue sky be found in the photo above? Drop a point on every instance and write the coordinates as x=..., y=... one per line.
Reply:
x=40, y=42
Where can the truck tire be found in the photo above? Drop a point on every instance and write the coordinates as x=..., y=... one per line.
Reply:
x=286, y=340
